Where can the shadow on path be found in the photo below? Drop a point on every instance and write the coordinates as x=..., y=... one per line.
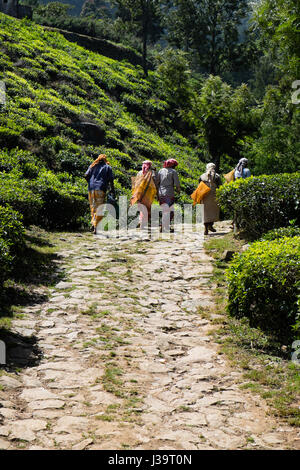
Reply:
x=21, y=351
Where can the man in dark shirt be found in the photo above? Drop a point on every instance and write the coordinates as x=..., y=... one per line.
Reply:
x=99, y=176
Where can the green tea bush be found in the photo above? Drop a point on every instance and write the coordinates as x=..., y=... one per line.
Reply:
x=11, y=239
x=64, y=202
x=72, y=162
x=282, y=232
x=260, y=204
x=113, y=139
x=5, y=260
x=263, y=285
x=20, y=160
x=119, y=158
x=8, y=137
x=11, y=228
x=18, y=193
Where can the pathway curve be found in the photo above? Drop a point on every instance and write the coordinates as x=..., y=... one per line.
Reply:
x=128, y=362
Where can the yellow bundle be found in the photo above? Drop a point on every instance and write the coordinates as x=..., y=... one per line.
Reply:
x=200, y=193
x=229, y=176
x=143, y=190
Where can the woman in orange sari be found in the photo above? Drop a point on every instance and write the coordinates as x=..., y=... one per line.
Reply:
x=144, y=192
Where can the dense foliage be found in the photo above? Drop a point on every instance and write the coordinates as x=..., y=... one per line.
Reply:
x=11, y=239
x=66, y=104
x=251, y=46
x=263, y=285
x=209, y=31
x=281, y=232
x=260, y=204
x=276, y=147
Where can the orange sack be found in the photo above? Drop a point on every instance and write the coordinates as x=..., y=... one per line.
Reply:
x=200, y=193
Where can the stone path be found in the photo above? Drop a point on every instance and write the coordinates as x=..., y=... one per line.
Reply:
x=128, y=362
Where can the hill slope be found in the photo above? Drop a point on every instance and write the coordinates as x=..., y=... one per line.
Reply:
x=64, y=106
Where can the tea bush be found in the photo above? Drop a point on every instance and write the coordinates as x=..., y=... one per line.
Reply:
x=16, y=192
x=11, y=239
x=282, y=232
x=263, y=285
x=11, y=228
x=5, y=260
x=260, y=204
x=64, y=200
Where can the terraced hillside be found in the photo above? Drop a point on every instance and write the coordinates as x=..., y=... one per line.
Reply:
x=64, y=106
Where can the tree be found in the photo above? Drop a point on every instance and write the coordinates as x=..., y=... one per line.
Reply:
x=96, y=9
x=30, y=3
x=174, y=73
x=54, y=9
x=144, y=18
x=208, y=28
x=277, y=148
x=278, y=21
x=225, y=118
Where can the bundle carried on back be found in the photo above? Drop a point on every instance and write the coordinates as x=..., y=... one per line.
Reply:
x=229, y=176
x=200, y=193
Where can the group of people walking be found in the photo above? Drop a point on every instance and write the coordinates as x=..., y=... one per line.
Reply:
x=149, y=184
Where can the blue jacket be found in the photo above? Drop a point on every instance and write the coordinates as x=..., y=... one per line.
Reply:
x=245, y=173
x=99, y=177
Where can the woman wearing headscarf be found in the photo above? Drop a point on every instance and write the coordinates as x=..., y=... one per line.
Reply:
x=144, y=192
x=167, y=182
x=241, y=170
x=99, y=176
x=211, y=208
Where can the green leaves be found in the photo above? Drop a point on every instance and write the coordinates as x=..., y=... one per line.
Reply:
x=260, y=204
x=208, y=30
x=262, y=285
x=11, y=239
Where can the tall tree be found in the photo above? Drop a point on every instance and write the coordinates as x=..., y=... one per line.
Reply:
x=144, y=18
x=278, y=21
x=208, y=28
x=277, y=149
x=96, y=9
x=224, y=117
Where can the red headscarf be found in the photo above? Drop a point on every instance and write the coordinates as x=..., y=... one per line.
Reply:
x=170, y=163
x=101, y=158
x=146, y=166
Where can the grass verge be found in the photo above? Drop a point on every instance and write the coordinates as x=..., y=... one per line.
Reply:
x=267, y=367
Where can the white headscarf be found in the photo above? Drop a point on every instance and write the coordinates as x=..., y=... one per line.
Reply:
x=211, y=171
x=241, y=165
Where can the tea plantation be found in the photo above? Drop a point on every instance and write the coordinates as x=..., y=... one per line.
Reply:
x=58, y=94
x=64, y=106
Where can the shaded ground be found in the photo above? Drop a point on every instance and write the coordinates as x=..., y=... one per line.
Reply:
x=128, y=362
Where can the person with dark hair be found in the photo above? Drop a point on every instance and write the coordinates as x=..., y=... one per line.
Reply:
x=99, y=176
x=167, y=182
